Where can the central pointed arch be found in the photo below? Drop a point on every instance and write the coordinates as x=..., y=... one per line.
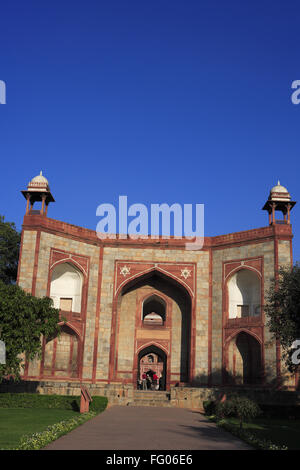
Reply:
x=163, y=285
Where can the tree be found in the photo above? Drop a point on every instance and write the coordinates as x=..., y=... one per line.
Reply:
x=245, y=410
x=9, y=251
x=24, y=319
x=240, y=407
x=283, y=311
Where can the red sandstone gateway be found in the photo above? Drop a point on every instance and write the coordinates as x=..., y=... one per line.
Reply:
x=137, y=307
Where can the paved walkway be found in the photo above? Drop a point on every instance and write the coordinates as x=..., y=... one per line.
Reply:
x=148, y=428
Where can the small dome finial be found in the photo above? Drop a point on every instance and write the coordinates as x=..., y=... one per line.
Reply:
x=39, y=180
x=278, y=183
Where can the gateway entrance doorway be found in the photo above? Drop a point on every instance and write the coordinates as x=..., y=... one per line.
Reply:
x=152, y=369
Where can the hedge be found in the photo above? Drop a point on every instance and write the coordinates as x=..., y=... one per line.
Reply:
x=61, y=402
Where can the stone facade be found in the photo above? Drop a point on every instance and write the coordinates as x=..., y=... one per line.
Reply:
x=104, y=342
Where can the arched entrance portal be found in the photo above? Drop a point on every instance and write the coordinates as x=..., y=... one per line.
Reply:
x=152, y=309
x=152, y=360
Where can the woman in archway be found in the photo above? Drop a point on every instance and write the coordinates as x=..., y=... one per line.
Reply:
x=154, y=381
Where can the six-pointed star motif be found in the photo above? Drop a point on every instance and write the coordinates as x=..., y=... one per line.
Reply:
x=185, y=273
x=124, y=271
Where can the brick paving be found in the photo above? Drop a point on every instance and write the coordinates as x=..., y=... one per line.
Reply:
x=148, y=428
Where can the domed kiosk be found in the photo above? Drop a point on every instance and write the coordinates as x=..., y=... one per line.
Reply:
x=38, y=190
x=279, y=200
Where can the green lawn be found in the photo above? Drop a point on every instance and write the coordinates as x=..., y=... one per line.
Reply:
x=15, y=422
x=279, y=431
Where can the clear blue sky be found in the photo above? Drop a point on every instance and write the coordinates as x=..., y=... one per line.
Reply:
x=162, y=101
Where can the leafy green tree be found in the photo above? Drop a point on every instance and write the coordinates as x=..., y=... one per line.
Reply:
x=245, y=410
x=9, y=251
x=283, y=311
x=24, y=319
x=240, y=407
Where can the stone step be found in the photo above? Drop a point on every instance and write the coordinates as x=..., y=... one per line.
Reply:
x=150, y=403
x=151, y=394
x=150, y=398
x=142, y=400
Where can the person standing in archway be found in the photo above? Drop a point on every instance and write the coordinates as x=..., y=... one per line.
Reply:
x=160, y=382
x=144, y=381
x=149, y=381
x=154, y=381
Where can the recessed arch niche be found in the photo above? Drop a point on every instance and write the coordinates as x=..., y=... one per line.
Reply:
x=66, y=287
x=244, y=294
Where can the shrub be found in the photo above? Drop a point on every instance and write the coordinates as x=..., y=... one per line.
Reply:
x=225, y=409
x=240, y=407
x=98, y=404
x=209, y=407
x=245, y=409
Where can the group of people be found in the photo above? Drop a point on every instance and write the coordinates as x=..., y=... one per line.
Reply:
x=150, y=381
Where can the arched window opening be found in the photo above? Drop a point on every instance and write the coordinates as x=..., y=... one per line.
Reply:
x=154, y=311
x=66, y=287
x=244, y=293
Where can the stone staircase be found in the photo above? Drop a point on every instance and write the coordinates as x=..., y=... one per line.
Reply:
x=150, y=398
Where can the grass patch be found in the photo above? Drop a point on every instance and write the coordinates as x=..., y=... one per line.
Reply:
x=280, y=431
x=31, y=421
x=16, y=422
x=40, y=440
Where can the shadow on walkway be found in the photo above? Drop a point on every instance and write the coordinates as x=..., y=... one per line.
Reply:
x=148, y=428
